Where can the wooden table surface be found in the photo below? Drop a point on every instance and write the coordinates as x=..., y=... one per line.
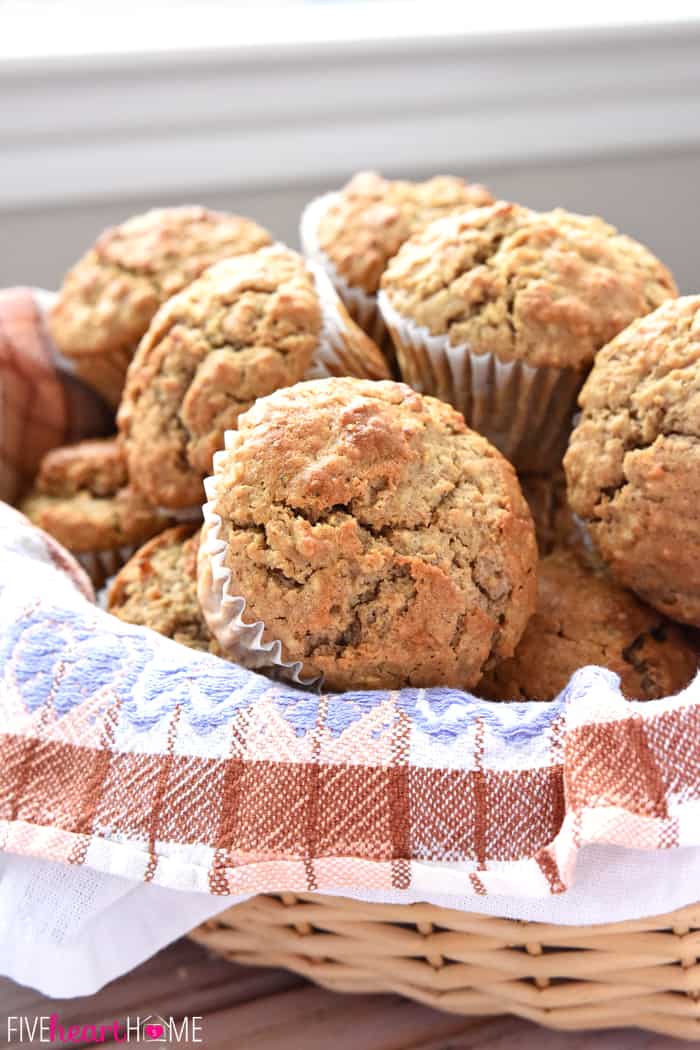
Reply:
x=257, y=1009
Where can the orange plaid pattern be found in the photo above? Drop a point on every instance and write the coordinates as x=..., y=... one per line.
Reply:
x=41, y=403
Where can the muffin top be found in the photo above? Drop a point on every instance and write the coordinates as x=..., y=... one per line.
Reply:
x=633, y=464
x=109, y=297
x=246, y=327
x=381, y=541
x=157, y=588
x=96, y=465
x=371, y=217
x=82, y=497
x=546, y=288
x=584, y=618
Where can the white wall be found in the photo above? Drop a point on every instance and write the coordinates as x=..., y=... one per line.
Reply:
x=655, y=197
x=599, y=119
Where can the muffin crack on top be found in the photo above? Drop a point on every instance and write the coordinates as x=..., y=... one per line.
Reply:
x=583, y=617
x=374, y=535
x=548, y=288
x=637, y=418
x=82, y=495
x=366, y=222
x=110, y=296
x=633, y=462
x=396, y=540
x=248, y=326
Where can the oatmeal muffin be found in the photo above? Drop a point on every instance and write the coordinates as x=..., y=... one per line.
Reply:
x=585, y=618
x=247, y=327
x=82, y=497
x=501, y=311
x=157, y=588
x=109, y=297
x=633, y=463
x=379, y=541
x=353, y=233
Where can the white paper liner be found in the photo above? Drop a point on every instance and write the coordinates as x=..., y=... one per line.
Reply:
x=100, y=565
x=525, y=411
x=337, y=354
x=592, y=554
x=45, y=300
x=183, y=516
x=223, y=608
x=361, y=305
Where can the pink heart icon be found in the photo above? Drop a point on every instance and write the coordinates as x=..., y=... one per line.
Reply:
x=154, y=1031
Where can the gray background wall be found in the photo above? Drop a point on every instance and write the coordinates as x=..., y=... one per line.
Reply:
x=603, y=119
x=654, y=196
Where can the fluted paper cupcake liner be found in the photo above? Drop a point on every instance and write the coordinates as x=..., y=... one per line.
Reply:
x=223, y=608
x=336, y=354
x=100, y=565
x=524, y=410
x=361, y=305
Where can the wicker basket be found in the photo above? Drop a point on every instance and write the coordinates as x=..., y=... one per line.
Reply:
x=644, y=973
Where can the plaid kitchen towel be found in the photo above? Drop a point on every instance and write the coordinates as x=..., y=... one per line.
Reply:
x=41, y=403
x=126, y=754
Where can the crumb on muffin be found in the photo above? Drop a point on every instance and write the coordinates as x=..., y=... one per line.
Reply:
x=369, y=219
x=585, y=618
x=546, y=288
x=633, y=463
x=83, y=498
x=109, y=297
x=157, y=588
x=378, y=539
x=248, y=326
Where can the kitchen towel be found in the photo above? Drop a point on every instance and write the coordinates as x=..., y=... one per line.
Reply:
x=148, y=770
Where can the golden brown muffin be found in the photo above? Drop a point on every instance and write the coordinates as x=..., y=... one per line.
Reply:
x=633, y=464
x=109, y=297
x=585, y=618
x=83, y=498
x=157, y=588
x=353, y=233
x=366, y=223
x=377, y=538
x=248, y=326
x=545, y=288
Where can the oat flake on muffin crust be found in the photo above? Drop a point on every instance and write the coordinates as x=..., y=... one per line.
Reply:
x=376, y=536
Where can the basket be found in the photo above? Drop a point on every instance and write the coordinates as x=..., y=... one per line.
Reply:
x=643, y=973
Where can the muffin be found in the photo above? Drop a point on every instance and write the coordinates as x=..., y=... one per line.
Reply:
x=585, y=618
x=633, y=463
x=110, y=296
x=82, y=497
x=353, y=233
x=368, y=536
x=247, y=327
x=157, y=588
x=501, y=311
